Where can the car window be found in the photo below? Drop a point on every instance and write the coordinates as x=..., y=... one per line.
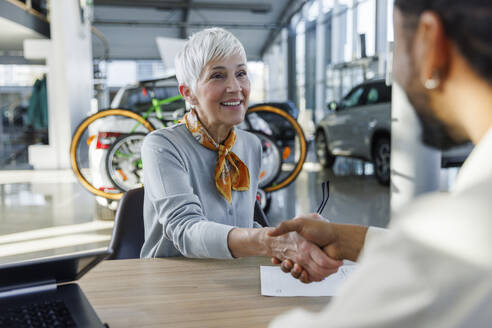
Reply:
x=140, y=102
x=378, y=93
x=372, y=96
x=136, y=97
x=354, y=98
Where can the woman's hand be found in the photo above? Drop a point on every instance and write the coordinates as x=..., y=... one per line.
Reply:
x=291, y=246
x=339, y=241
x=311, y=233
x=306, y=255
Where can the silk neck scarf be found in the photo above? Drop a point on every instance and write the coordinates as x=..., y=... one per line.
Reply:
x=230, y=172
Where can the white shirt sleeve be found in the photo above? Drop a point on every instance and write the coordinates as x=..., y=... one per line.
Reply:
x=374, y=233
x=406, y=278
x=376, y=303
x=390, y=288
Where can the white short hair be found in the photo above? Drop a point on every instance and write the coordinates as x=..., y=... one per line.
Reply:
x=200, y=49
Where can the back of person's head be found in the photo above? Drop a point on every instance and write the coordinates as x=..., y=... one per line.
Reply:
x=466, y=22
x=202, y=48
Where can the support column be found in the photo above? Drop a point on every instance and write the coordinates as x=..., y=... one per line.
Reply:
x=356, y=46
x=415, y=168
x=320, y=72
x=291, y=64
x=68, y=56
x=381, y=34
x=285, y=63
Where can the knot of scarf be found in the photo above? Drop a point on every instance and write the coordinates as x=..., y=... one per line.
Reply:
x=230, y=172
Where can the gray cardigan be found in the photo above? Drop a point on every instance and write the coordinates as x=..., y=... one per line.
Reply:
x=184, y=214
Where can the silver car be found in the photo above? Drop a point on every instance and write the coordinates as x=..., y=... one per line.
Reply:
x=359, y=126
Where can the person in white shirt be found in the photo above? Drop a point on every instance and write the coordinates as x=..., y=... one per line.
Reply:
x=433, y=266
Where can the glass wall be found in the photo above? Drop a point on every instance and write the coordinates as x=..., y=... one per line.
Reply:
x=274, y=75
x=355, y=41
x=21, y=125
x=366, y=27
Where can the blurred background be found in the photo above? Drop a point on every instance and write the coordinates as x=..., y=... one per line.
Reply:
x=327, y=63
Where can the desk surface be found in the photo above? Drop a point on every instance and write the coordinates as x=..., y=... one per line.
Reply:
x=180, y=292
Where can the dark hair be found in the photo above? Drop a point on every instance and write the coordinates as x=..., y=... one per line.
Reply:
x=466, y=22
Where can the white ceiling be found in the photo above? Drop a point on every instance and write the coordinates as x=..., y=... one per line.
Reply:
x=131, y=31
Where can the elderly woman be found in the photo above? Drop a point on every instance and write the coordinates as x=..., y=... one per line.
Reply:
x=201, y=175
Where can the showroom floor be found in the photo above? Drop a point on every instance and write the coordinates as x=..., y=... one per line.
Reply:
x=45, y=213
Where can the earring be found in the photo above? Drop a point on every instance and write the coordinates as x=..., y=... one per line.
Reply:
x=433, y=82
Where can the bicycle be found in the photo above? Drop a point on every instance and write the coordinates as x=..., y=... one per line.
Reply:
x=103, y=140
x=123, y=163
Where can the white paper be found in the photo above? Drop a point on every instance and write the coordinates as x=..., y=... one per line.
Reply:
x=274, y=282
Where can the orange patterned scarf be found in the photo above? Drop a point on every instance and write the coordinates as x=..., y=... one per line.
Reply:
x=230, y=172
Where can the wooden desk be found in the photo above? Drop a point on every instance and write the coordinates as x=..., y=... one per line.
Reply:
x=180, y=292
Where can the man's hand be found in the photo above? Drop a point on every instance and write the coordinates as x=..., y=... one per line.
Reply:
x=294, y=247
x=295, y=270
x=316, y=230
x=339, y=241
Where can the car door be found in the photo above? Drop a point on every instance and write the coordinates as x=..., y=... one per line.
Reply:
x=374, y=115
x=340, y=124
x=363, y=119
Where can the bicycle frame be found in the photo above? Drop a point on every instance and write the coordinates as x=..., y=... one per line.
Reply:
x=156, y=107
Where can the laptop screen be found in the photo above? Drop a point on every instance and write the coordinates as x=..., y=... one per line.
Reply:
x=53, y=269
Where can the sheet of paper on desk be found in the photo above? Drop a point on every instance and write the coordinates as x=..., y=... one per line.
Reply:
x=274, y=282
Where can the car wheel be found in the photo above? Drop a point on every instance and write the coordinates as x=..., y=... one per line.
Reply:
x=381, y=160
x=325, y=157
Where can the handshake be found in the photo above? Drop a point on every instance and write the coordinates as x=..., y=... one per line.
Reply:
x=311, y=248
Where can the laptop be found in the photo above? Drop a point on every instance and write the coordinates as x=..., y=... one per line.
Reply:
x=42, y=292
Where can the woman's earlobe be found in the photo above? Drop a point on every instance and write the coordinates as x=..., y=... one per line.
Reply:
x=187, y=94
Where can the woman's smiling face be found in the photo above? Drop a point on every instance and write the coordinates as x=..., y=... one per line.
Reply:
x=222, y=93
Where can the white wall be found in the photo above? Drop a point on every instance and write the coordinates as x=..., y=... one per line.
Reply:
x=69, y=81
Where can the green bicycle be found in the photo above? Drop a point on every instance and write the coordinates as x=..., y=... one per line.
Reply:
x=95, y=137
x=121, y=159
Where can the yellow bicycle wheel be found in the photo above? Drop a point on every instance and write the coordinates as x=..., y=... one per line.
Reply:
x=75, y=144
x=285, y=181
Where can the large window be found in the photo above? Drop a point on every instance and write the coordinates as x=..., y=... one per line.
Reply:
x=366, y=25
x=124, y=72
x=390, y=36
x=256, y=76
x=343, y=24
x=20, y=75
